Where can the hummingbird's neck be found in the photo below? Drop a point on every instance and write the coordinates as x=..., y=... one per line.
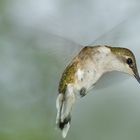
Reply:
x=107, y=61
x=112, y=64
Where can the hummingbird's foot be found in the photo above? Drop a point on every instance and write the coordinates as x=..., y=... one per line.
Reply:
x=83, y=92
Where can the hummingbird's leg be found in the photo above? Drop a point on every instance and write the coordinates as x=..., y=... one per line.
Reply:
x=82, y=91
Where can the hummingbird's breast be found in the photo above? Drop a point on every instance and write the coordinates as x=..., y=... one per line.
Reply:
x=86, y=76
x=79, y=75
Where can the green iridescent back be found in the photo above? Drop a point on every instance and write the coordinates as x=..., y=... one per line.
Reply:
x=67, y=77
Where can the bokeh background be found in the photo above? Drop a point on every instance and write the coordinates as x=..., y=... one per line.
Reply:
x=38, y=38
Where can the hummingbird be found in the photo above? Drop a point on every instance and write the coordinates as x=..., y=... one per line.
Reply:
x=84, y=71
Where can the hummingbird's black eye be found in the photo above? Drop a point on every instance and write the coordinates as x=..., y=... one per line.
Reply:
x=129, y=61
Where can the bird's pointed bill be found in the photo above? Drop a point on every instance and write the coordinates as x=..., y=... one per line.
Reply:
x=137, y=77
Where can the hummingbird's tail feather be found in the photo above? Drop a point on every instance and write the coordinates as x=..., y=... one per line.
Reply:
x=64, y=105
x=64, y=126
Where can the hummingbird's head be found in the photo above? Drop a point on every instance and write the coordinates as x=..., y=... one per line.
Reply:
x=127, y=61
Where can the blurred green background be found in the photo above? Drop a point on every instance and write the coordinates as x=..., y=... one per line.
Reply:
x=37, y=40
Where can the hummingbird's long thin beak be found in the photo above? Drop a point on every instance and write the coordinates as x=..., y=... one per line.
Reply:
x=137, y=77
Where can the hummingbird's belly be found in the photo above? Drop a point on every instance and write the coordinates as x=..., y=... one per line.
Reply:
x=86, y=79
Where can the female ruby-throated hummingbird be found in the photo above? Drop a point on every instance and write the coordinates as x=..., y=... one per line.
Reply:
x=84, y=71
